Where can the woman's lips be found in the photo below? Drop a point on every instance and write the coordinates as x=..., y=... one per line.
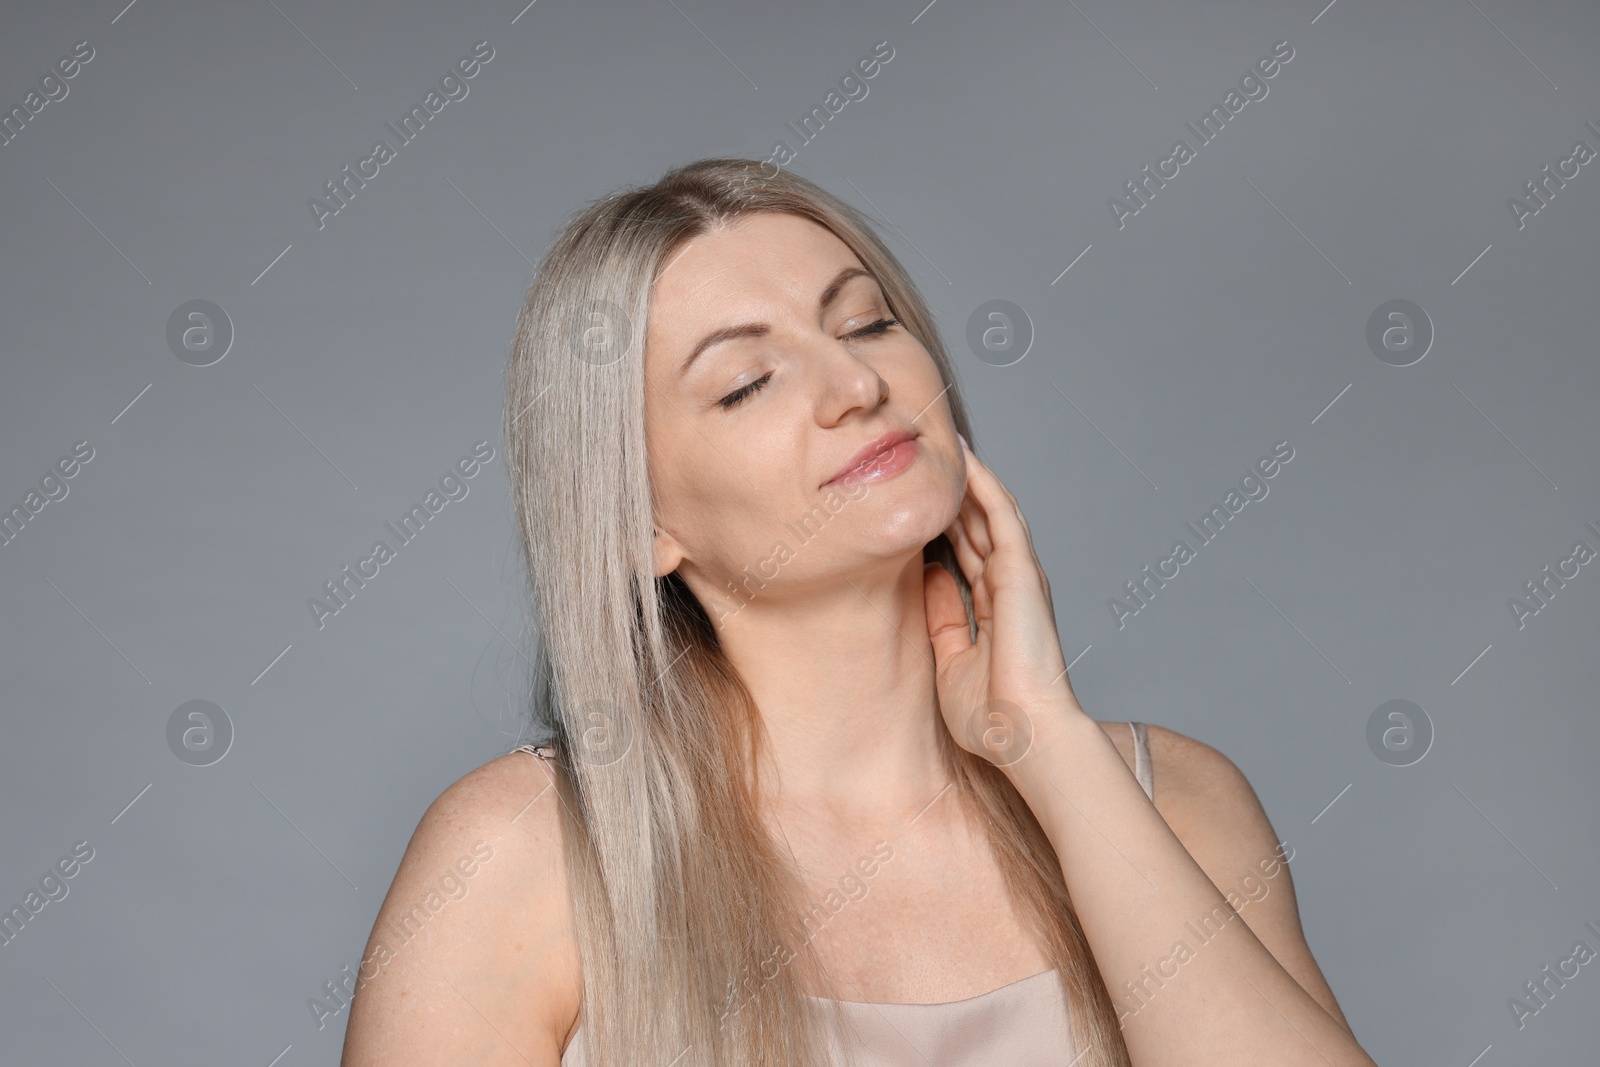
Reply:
x=883, y=464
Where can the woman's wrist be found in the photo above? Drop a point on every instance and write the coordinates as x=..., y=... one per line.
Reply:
x=1058, y=730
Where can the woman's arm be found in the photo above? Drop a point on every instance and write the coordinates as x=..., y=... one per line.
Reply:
x=1210, y=805
x=1214, y=994
x=472, y=959
x=1206, y=989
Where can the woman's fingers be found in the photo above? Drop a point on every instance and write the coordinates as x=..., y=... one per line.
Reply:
x=970, y=559
x=1002, y=523
x=971, y=563
x=947, y=616
x=971, y=519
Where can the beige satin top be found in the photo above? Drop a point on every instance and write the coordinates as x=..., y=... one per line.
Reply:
x=1023, y=1024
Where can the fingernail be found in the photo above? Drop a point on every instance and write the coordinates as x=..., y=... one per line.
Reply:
x=964, y=442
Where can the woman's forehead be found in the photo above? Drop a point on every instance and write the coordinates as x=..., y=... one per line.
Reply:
x=764, y=247
x=749, y=270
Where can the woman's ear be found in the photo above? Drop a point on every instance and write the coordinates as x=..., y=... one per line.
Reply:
x=668, y=553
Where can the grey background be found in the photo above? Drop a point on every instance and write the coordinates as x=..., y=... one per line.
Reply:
x=1229, y=314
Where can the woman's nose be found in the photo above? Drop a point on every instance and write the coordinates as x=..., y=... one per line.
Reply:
x=850, y=382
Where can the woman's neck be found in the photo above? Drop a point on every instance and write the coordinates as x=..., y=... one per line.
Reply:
x=844, y=681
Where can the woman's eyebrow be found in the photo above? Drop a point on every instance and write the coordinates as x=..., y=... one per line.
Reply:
x=761, y=329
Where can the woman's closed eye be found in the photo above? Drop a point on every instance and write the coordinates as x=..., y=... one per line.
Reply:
x=871, y=330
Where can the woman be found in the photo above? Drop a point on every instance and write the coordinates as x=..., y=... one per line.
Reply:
x=792, y=627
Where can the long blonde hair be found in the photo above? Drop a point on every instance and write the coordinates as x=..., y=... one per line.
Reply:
x=683, y=900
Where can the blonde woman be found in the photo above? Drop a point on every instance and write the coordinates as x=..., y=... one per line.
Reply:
x=818, y=788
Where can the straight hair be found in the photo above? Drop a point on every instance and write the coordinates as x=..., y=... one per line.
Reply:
x=685, y=904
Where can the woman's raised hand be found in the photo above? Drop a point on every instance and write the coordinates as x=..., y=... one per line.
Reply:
x=997, y=691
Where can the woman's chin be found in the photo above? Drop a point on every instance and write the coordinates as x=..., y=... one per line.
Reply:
x=905, y=530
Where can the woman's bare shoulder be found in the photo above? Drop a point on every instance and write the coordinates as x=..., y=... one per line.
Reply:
x=1177, y=763
x=473, y=957
x=1121, y=735
x=1215, y=813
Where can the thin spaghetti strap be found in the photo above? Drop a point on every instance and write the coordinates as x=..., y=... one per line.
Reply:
x=1143, y=768
x=544, y=752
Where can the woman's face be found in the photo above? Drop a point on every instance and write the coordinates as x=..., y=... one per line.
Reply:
x=745, y=441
